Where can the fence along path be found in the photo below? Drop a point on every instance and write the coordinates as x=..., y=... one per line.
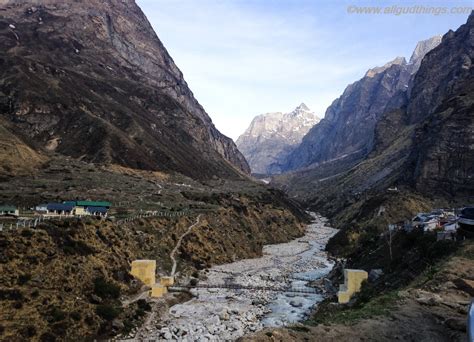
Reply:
x=33, y=222
x=154, y=214
x=26, y=223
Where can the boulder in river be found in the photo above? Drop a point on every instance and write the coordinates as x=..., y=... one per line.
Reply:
x=296, y=304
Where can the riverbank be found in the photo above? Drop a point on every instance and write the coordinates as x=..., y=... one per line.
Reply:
x=227, y=314
x=433, y=307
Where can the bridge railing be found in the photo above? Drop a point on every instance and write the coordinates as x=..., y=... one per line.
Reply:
x=247, y=287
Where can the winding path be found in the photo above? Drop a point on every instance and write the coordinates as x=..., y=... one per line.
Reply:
x=178, y=244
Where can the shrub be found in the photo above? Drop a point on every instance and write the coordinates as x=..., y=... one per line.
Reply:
x=26, y=233
x=56, y=315
x=60, y=328
x=33, y=260
x=106, y=290
x=23, y=279
x=72, y=247
x=75, y=315
x=128, y=325
x=143, y=304
x=441, y=248
x=29, y=331
x=367, y=292
x=139, y=313
x=48, y=337
x=89, y=320
x=11, y=295
x=107, y=311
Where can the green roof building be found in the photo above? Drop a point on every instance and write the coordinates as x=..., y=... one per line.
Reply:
x=94, y=204
x=9, y=210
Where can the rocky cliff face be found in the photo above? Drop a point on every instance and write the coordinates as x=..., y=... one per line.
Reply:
x=272, y=136
x=92, y=80
x=348, y=126
x=442, y=108
x=423, y=144
x=421, y=49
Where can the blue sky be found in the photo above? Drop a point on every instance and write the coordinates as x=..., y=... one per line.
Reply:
x=242, y=58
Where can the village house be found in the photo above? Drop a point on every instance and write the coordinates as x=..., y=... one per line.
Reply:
x=41, y=208
x=74, y=208
x=94, y=208
x=97, y=211
x=431, y=223
x=59, y=209
x=9, y=210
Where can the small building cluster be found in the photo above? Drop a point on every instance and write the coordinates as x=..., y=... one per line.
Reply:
x=61, y=209
x=446, y=222
x=74, y=208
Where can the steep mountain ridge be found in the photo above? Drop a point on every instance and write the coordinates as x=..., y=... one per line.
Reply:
x=423, y=145
x=349, y=123
x=95, y=72
x=442, y=104
x=272, y=136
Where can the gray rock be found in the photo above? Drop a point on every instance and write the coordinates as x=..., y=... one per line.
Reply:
x=375, y=274
x=224, y=315
x=96, y=299
x=296, y=303
x=117, y=324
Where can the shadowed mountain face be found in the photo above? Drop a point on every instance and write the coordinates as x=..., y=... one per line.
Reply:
x=271, y=137
x=442, y=107
x=91, y=80
x=348, y=126
x=423, y=141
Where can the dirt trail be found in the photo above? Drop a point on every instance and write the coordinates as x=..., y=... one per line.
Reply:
x=178, y=244
x=143, y=294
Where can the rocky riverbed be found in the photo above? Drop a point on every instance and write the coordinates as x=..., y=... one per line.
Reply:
x=227, y=314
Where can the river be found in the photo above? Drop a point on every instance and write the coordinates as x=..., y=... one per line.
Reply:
x=225, y=314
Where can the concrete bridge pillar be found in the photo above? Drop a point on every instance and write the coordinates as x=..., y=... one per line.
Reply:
x=352, y=283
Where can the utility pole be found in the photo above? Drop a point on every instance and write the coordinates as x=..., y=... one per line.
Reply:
x=391, y=227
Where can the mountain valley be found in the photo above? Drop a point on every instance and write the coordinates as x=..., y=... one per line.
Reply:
x=93, y=109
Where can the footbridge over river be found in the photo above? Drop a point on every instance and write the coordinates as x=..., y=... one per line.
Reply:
x=306, y=290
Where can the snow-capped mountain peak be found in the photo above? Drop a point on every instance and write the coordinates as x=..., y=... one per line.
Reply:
x=271, y=136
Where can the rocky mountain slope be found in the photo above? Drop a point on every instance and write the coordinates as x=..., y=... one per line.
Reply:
x=271, y=137
x=48, y=275
x=91, y=80
x=348, y=126
x=424, y=147
x=93, y=107
x=69, y=280
x=432, y=307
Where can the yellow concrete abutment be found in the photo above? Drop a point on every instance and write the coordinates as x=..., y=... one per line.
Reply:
x=145, y=271
x=352, y=283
